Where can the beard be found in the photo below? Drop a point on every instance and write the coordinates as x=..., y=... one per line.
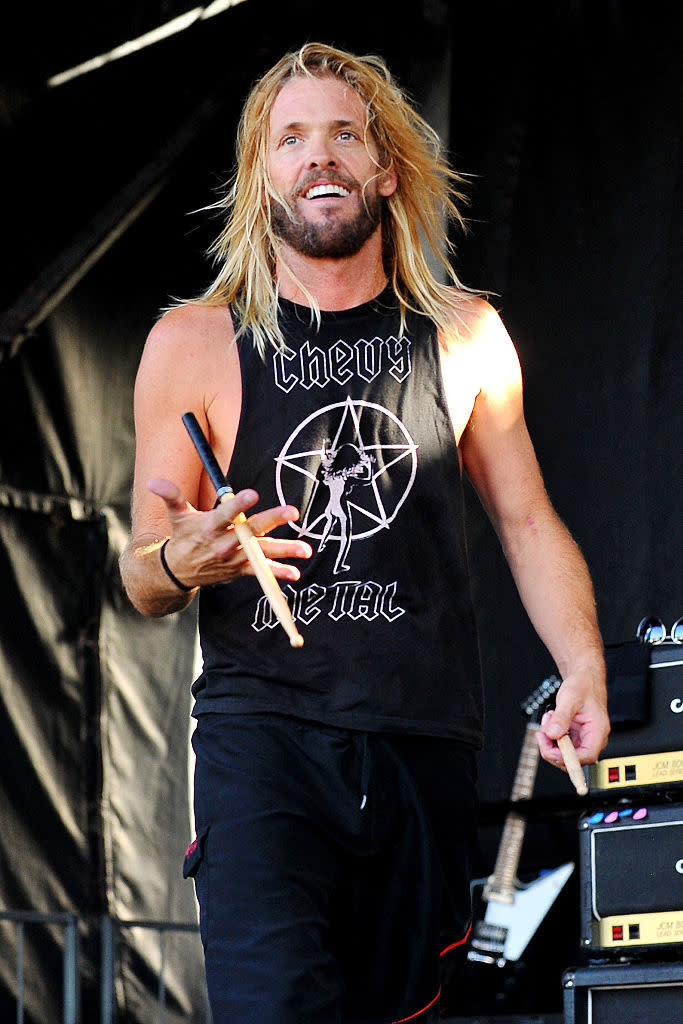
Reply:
x=329, y=238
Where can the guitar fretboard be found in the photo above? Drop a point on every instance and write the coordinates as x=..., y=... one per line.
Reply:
x=501, y=885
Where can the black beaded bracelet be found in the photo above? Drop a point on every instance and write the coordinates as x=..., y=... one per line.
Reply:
x=171, y=576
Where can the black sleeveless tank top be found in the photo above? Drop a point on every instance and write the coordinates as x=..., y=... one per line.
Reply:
x=350, y=425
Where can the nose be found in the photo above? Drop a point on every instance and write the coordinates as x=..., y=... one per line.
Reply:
x=321, y=153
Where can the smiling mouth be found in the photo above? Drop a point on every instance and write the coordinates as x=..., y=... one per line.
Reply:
x=326, y=192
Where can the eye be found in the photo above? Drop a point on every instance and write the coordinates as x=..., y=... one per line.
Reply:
x=347, y=136
x=289, y=140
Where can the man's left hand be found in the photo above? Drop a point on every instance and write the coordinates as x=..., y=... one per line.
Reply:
x=581, y=712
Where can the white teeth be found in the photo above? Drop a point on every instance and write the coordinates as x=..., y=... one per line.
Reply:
x=326, y=190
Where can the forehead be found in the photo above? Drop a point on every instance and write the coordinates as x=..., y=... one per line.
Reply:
x=316, y=100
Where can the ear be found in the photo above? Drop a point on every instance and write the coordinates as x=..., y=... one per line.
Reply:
x=388, y=183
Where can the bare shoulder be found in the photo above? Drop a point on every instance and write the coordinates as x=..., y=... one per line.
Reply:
x=480, y=368
x=480, y=339
x=474, y=322
x=189, y=347
x=188, y=329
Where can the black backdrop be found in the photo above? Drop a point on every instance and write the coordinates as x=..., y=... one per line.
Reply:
x=567, y=116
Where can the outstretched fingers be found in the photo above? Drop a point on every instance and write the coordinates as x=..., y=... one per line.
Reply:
x=277, y=548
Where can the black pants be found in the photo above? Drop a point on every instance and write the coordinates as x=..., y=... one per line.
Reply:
x=331, y=868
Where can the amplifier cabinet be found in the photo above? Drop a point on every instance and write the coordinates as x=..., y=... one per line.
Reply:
x=631, y=871
x=624, y=994
x=645, y=747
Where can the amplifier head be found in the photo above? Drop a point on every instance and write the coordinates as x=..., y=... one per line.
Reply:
x=631, y=871
x=645, y=696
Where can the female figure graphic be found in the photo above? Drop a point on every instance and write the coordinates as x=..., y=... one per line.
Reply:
x=341, y=470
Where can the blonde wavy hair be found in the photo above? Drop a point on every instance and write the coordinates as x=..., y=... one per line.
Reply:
x=427, y=198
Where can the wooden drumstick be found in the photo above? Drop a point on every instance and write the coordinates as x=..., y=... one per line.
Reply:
x=250, y=545
x=572, y=764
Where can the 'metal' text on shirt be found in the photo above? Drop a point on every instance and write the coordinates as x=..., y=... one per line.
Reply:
x=351, y=598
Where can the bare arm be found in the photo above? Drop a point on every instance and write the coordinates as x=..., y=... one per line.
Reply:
x=548, y=568
x=189, y=364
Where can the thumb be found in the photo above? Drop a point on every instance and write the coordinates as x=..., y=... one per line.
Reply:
x=170, y=495
x=557, y=724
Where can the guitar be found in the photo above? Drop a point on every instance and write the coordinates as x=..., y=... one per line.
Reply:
x=513, y=910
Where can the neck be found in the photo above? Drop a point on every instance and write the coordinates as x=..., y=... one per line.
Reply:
x=334, y=283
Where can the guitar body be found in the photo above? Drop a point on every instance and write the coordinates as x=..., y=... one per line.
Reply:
x=507, y=928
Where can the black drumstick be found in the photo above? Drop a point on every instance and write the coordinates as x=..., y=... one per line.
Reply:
x=205, y=452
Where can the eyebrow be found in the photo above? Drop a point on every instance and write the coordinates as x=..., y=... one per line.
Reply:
x=294, y=126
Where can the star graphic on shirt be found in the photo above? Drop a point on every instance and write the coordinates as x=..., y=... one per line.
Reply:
x=382, y=443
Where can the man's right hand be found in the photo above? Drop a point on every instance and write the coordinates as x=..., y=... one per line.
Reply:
x=203, y=549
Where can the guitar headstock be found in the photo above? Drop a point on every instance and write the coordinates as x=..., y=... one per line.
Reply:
x=537, y=703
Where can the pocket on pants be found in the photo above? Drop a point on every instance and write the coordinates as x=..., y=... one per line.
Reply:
x=192, y=868
x=194, y=855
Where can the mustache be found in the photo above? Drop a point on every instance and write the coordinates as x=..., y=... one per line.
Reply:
x=335, y=177
x=286, y=202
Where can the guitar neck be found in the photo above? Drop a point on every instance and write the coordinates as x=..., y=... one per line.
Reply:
x=501, y=884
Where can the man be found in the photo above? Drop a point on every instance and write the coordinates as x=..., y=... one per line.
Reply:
x=335, y=784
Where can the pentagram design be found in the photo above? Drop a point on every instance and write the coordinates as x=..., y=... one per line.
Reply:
x=359, y=464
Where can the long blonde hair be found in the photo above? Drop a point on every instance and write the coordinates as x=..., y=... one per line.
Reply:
x=427, y=197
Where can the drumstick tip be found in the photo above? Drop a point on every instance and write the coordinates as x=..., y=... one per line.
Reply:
x=573, y=765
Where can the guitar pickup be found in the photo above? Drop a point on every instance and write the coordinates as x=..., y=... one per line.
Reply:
x=490, y=938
